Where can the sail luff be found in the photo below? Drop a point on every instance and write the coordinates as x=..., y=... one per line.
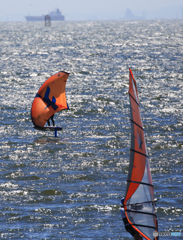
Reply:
x=139, y=203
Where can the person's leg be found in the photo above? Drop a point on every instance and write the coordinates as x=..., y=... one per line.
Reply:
x=133, y=232
x=48, y=122
x=53, y=120
x=137, y=236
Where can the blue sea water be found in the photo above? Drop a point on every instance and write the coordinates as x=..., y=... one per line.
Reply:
x=70, y=187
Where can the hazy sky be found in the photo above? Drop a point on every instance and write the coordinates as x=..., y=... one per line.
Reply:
x=16, y=10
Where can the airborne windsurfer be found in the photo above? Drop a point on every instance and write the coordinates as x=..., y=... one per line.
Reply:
x=50, y=99
x=128, y=226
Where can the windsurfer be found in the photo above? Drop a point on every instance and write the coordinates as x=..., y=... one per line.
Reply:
x=128, y=226
x=48, y=121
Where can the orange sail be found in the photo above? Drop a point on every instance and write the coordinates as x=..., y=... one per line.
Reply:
x=50, y=99
x=139, y=202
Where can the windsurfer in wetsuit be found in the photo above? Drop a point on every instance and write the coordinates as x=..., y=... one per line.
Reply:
x=128, y=226
x=51, y=120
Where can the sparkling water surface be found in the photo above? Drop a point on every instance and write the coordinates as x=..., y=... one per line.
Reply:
x=70, y=187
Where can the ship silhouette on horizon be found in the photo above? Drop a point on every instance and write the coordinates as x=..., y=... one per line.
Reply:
x=54, y=15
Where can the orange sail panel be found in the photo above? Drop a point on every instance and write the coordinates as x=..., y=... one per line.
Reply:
x=50, y=99
x=139, y=199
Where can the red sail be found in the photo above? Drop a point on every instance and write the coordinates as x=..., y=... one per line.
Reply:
x=50, y=99
x=139, y=200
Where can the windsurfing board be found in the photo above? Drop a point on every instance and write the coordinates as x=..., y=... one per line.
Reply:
x=48, y=128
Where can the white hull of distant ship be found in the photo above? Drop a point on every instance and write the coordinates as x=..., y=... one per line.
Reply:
x=55, y=16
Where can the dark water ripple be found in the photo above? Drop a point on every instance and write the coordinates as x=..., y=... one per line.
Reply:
x=70, y=187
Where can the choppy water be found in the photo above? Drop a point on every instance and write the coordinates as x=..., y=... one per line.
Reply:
x=70, y=187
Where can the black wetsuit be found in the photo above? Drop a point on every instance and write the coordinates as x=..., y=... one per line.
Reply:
x=128, y=226
x=51, y=120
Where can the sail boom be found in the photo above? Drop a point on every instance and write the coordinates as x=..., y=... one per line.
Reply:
x=140, y=183
x=130, y=204
x=133, y=211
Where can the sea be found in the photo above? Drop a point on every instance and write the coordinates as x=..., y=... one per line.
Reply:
x=70, y=186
